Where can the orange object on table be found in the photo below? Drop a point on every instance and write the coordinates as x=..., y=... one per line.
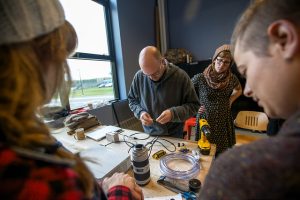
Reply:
x=188, y=124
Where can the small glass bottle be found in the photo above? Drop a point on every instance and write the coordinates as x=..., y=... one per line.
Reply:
x=191, y=59
x=187, y=58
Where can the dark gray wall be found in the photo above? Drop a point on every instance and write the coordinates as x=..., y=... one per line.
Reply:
x=135, y=30
x=196, y=25
x=200, y=26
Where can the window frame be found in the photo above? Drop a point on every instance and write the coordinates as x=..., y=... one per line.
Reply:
x=98, y=57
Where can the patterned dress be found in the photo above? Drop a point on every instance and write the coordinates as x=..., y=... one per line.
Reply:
x=218, y=112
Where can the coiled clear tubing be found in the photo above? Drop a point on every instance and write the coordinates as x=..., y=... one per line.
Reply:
x=188, y=174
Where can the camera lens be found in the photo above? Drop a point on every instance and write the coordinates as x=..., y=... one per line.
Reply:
x=140, y=164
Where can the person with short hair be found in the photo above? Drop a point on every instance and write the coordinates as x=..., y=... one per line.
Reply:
x=161, y=95
x=266, y=49
x=35, y=41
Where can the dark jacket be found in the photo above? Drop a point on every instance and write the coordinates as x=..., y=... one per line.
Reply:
x=174, y=91
x=265, y=169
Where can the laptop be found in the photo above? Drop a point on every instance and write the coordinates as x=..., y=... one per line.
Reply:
x=100, y=133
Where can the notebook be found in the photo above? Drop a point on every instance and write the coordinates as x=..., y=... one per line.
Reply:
x=100, y=133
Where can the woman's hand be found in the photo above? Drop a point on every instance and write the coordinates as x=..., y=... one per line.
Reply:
x=124, y=180
x=202, y=109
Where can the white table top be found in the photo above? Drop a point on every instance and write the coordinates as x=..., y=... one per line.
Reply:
x=152, y=189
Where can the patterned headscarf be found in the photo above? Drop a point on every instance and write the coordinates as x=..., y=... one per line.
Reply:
x=218, y=80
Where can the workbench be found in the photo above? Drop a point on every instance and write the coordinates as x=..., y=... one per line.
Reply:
x=152, y=189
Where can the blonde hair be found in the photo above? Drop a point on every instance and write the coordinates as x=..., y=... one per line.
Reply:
x=24, y=89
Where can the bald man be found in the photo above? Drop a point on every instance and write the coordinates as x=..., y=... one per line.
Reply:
x=161, y=95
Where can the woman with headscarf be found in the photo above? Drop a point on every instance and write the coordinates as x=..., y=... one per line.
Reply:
x=218, y=88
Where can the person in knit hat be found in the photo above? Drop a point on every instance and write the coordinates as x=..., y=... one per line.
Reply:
x=218, y=88
x=35, y=41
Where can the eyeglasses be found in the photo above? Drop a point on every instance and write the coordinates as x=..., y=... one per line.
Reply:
x=158, y=73
x=155, y=74
x=225, y=62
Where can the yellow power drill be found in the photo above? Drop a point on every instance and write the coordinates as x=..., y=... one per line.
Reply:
x=202, y=130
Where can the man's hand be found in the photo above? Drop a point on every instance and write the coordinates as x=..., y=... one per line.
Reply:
x=165, y=117
x=146, y=119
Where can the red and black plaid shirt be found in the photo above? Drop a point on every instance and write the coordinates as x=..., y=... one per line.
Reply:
x=23, y=176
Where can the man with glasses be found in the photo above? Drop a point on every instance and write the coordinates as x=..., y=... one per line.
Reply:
x=161, y=95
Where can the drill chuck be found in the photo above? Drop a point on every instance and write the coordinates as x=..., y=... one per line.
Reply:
x=205, y=130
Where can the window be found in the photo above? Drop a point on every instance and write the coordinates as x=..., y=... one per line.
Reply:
x=92, y=64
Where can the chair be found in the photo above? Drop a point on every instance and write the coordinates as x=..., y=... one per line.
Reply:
x=188, y=124
x=252, y=120
x=125, y=117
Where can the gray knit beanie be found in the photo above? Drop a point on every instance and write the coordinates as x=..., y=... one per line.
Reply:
x=225, y=47
x=23, y=20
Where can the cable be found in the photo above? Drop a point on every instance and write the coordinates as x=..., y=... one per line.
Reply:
x=139, y=138
x=157, y=140
x=151, y=143
x=188, y=174
x=168, y=142
x=117, y=142
x=126, y=141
